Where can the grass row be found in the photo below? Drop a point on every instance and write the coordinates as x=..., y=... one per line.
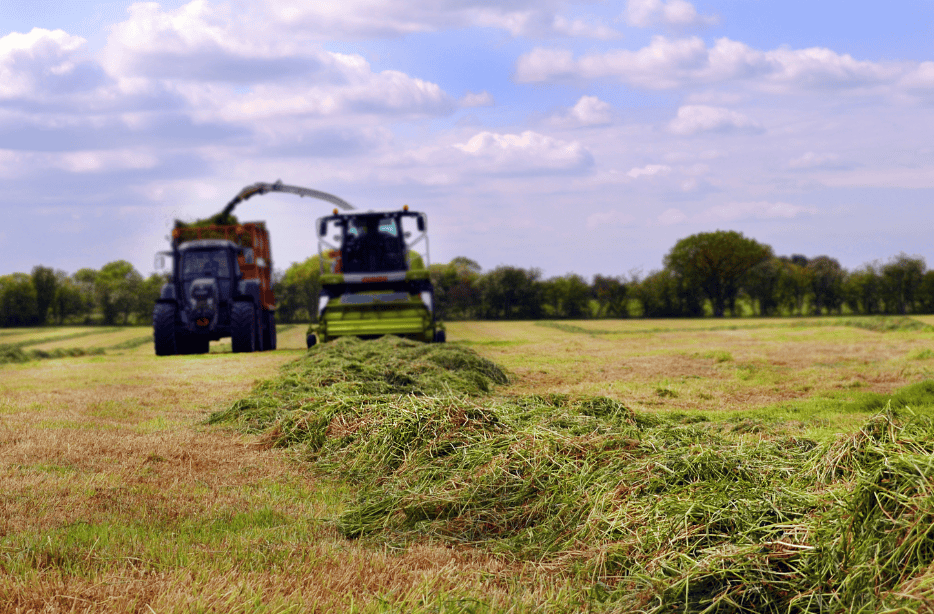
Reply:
x=646, y=512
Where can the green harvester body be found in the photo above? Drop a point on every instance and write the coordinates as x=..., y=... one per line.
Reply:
x=375, y=284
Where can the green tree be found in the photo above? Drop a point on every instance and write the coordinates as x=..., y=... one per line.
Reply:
x=826, y=284
x=611, y=294
x=68, y=300
x=457, y=295
x=511, y=293
x=568, y=296
x=712, y=264
x=45, y=282
x=763, y=283
x=19, y=305
x=901, y=281
x=862, y=289
x=298, y=290
x=86, y=282
x=794, y=284
x=117, y=287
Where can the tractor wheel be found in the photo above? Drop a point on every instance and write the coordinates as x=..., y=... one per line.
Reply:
x=260, y=326
x=440, y=336
x=311, y=340
x=163, y=329
x=270, y=330
x=242, y=327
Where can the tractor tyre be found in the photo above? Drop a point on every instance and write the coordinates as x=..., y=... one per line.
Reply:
x=270, y=330
x=163, y=329
x=311, y=340
x=259, y=322
x=440, y=336
x=242, y=327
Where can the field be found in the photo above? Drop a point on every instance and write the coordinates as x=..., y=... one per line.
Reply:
x=638, y=465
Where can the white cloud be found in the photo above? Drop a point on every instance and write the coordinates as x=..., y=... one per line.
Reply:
x=591, y=111
x=386, y=18
x=756, y=210
x=693, y=119
x=670, y=217
x=650, y=170
x=526, y=152
x=604, y=219
x=103, y=161
x=815, y=160
x=646, y=13
x=669, y=63
x=481, y=99
x=35, y=64
x=587, y=111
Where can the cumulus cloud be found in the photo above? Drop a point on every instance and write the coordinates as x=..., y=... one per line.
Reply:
x=693, y=119
x=384, y=18
x=481, y=99
x=815, y=160
x=756, y=210
x=605, y=219
x=587, y=111
x=529, y=152
x=43, y=63
x=670, y=217
x=650, y=170
x=669, y=63
x=646, y=13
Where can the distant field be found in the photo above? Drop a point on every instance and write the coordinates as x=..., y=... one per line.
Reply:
x=116, y=495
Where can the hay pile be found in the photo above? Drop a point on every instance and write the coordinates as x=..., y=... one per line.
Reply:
x=218, y=219
x=661, y=515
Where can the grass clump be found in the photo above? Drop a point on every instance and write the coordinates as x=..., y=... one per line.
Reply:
x=13, y=354
x=654, y=513
x=884, y=324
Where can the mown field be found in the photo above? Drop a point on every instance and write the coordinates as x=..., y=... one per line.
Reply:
x=779, y=465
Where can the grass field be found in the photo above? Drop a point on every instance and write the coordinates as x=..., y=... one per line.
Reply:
x=117, y=495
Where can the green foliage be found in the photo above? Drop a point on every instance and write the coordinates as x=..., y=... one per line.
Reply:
x=509, y=293
x=19, y=305
x=45, y=282
x=901, y=280
x=827, y=278
x=118, y=286
x=457, y=295
x=13, y=354
x=568, y=296
x=714, y=263
x=298, y=289
x=611, y=294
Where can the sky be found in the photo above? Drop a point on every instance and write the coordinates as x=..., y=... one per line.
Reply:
x=573, y=137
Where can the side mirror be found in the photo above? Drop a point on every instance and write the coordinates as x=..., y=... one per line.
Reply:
x=247, y=254
x=322, y=228
x=421, y=223
x=159, y=261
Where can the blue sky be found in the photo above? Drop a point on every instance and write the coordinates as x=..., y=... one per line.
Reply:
x=581, y=137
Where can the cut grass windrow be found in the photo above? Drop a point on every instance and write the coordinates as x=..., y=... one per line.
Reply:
x=18, y=355
x=651, y=513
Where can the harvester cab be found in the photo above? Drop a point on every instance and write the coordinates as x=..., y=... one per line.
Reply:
x=374, y=277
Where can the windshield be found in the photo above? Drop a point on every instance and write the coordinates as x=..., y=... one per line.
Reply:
x=205, y=264
x=372, y=243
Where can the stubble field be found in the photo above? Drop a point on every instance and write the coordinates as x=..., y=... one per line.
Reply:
x=117, y=493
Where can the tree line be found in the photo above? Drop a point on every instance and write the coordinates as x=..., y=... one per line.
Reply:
x=716, y=273
x=707, y=274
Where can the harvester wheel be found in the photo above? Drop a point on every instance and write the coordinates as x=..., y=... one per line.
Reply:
x=163, y=329
x=311, y=340
x=242, y=327
x=440, y=336
x=259, y=323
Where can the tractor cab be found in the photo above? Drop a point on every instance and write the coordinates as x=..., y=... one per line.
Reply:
x=372, y=242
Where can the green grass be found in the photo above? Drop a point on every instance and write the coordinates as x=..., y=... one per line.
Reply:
x=651, y=512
